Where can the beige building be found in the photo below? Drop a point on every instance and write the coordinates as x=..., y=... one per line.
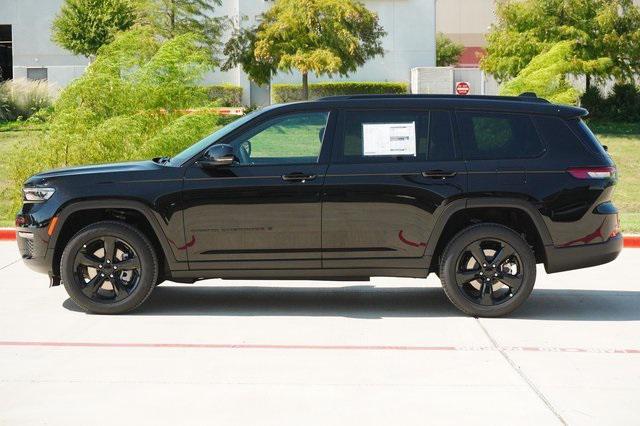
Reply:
x=26, y=49
x=467, y=22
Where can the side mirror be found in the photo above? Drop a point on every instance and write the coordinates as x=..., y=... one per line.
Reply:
x=218, y=155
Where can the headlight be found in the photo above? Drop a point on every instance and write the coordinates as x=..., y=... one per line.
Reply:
x=35, y=195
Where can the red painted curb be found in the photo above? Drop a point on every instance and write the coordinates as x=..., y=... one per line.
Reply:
x=7, y=234
x=630, y=241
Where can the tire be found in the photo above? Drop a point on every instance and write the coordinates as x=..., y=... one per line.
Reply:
x=487, y=289
x=117, y=290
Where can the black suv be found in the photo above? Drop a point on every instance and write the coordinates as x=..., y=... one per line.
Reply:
x=476, y=189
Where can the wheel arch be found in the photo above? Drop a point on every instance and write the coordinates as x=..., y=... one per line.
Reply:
x=77, y=215
x=520, y=215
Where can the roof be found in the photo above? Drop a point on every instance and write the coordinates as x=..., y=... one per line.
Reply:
x=527, y=102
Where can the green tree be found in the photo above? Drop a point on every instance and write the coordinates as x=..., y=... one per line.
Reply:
x=599, y=28
x=83, y=26
x=546, y=75
x=325, y=37
x=175, y=17
x=447, y=51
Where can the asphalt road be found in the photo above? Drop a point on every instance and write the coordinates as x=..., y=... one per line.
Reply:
x=392, y=351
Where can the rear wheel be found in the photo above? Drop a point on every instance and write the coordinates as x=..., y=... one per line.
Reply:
x=109, y=268
x=488, y=270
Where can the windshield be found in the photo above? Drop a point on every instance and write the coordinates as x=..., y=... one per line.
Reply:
x=194, y=149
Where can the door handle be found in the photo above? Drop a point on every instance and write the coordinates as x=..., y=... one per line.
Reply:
x=439, y=174
x=298, y=177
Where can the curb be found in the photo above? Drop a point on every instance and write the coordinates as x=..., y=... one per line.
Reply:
x=630, y=241
x=7, y=234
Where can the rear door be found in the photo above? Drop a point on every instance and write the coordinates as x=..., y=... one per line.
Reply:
x=390, y=171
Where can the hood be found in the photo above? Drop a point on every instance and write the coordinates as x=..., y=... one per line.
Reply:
x=98, y=169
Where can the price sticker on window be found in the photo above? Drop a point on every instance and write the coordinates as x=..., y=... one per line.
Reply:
x=389, y=139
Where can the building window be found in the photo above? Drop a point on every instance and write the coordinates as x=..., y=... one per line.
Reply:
x=6, y=55
x=37, y=74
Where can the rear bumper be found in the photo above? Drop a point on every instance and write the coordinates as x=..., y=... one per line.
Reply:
x=566, y=258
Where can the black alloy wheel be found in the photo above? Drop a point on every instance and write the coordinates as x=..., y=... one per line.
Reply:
x=488, y=270
x=109, y=268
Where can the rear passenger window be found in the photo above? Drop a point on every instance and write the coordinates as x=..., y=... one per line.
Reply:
x=490, y=136
x=389, y=136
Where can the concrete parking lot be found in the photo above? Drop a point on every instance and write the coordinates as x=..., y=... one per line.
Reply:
x=389, y=351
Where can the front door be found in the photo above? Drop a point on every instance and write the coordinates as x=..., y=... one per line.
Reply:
x=262, y=212
x=390, y=172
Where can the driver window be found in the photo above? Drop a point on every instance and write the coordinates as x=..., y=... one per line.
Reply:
x=290, y=139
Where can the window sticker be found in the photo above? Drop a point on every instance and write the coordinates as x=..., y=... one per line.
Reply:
x=389, y=139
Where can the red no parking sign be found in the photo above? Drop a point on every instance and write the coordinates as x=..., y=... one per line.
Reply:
x=462, y=88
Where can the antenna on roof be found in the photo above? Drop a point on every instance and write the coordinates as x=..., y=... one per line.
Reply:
x=528, y=95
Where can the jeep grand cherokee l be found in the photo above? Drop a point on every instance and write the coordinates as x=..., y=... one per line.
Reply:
x=476, y=189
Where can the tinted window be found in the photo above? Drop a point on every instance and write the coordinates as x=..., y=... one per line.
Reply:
x=588, y=137
x=288, y=139
x=429, y=133
x=487, y=135
x=561, y=140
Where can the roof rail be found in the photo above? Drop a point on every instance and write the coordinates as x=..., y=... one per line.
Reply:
x=525, y=97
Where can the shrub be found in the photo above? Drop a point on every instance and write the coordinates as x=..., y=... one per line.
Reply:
x=183, y=132
x=281, y=93
x=623, y=104
x=225, y=94
x=21, y=98
x=129, y=105
x=594, y=102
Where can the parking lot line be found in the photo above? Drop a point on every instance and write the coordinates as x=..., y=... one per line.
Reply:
x=319, y=347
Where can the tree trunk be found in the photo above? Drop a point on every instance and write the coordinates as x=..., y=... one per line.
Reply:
x=305, y=86
x=587, y=81
x=172, y=19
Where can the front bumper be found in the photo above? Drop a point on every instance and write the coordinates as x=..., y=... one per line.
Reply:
x=33, y=245
x=566, y=258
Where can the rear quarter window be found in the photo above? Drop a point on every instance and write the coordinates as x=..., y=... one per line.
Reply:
x=491, y=136
x=587, y=136
x=562, y=141
x=568, y=138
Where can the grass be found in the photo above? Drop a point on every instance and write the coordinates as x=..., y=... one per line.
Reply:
x=12, y=134
x=622, y=139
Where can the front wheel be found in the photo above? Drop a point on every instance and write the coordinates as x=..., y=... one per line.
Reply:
x=488, y=270
x=109, y=268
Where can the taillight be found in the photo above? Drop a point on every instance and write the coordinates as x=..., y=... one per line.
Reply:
x=592, y=172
